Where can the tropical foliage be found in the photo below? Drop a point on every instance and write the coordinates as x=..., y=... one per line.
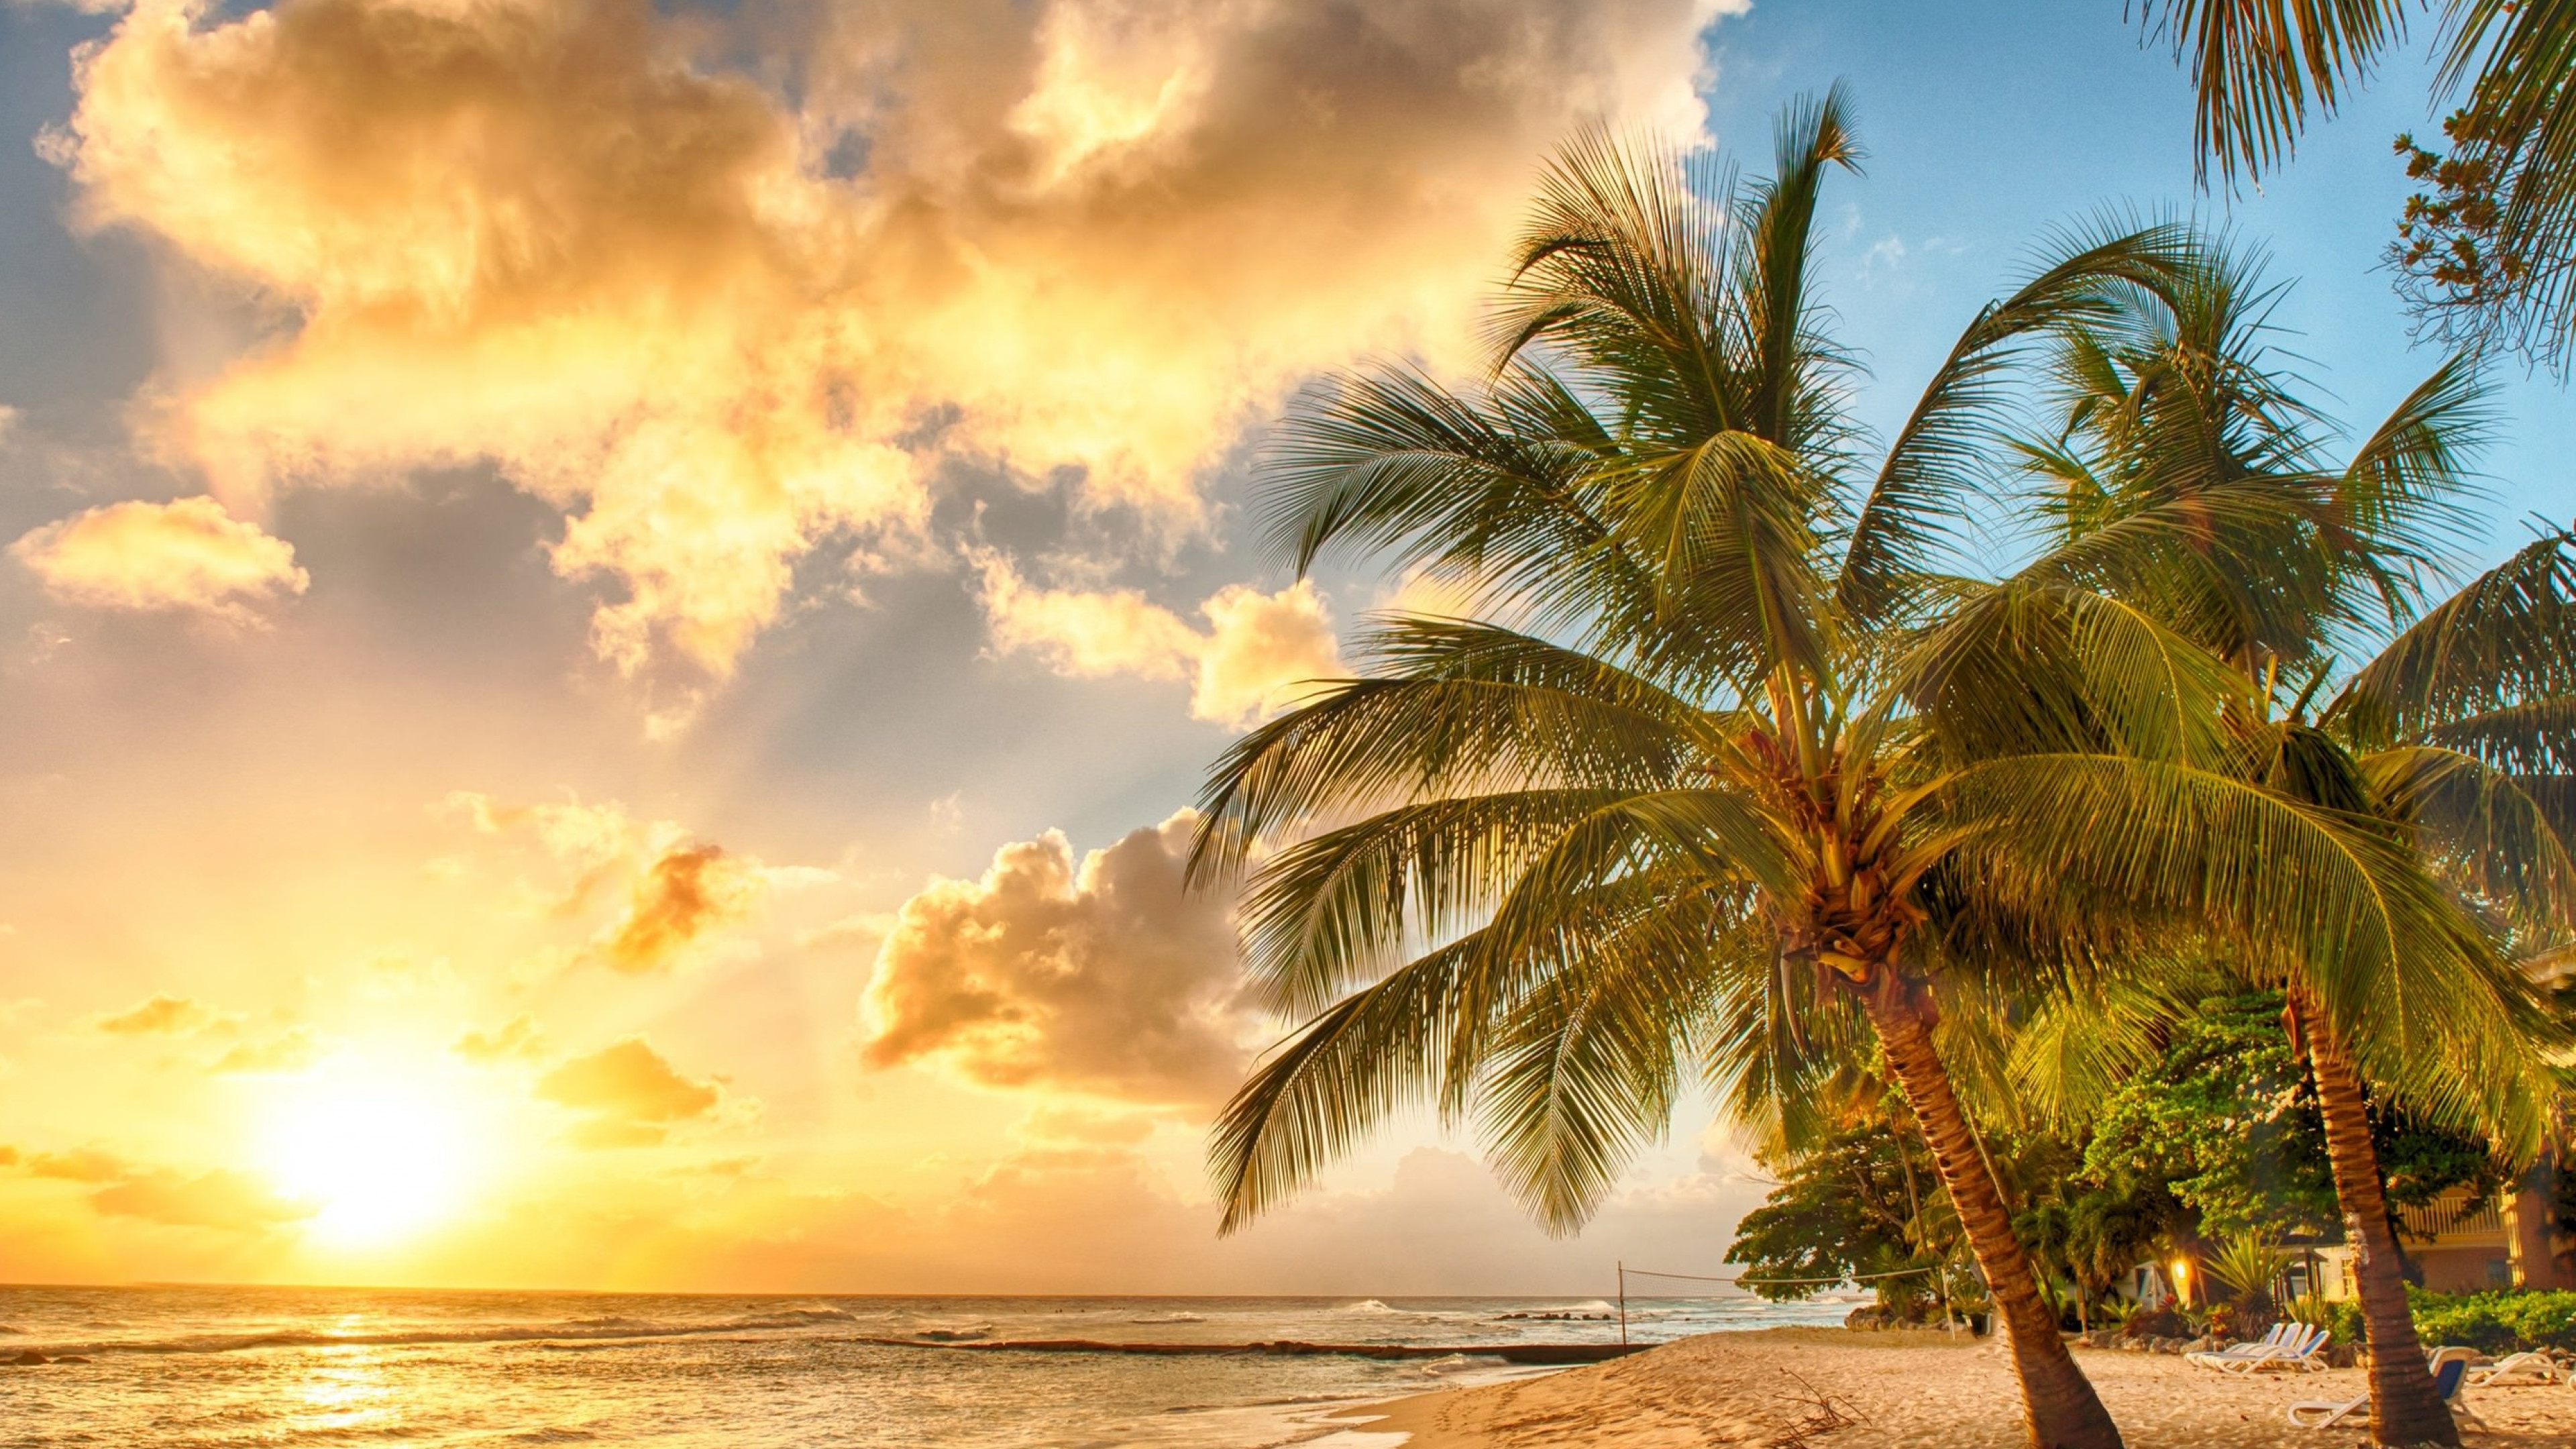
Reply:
x=2220, y=1130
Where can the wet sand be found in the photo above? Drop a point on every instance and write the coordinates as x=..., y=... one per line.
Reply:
x=1834, y=1389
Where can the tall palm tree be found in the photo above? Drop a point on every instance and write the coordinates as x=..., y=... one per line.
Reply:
x=1723, y=765
x=2489, y=254
x=2453, y=742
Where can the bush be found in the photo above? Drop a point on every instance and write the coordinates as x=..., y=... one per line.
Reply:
x=2499, y=1321
x=2496, y=1322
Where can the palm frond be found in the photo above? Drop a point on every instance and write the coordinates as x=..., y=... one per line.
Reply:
x=2507, y=638
x=2258, y=65
x=2409, y=977
x=1942, y=452
x=2483, y=825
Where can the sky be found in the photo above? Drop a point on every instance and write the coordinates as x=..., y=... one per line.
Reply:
x=613, y=610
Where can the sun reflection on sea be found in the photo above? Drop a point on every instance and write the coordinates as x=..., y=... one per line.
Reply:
x=345, y=1389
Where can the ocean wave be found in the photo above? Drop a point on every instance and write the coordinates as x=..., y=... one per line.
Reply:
x=1369, y=1305
x=967, y=1334
x=550, y=1436
x=7, y=1328
x=1169, y=1318
x=801, y=1318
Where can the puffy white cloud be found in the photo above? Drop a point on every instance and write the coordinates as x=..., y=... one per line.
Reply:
x=1260, y=649
x=1249, y=661
x=716, y=326
x=1103, y=977
x=630, y=1095
x=186, y=554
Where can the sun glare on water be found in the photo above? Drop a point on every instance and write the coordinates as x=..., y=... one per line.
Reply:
x=380, y=1157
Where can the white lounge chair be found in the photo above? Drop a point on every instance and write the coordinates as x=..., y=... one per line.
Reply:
x=2515, y=1368
x=2324, y=1413
x=2213, y=1357
x=2305, y=1349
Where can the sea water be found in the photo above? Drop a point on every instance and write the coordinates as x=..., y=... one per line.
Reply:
x=233, y=1368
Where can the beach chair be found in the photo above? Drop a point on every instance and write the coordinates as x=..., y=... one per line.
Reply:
x=2213, y=1357
x=2324, y=1413
x=2304, y=1349
x=2515, y=1368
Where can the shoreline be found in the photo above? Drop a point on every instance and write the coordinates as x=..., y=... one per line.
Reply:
x=1843, y=1389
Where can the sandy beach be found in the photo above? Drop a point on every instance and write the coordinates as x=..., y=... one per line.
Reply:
x=1827, y=1387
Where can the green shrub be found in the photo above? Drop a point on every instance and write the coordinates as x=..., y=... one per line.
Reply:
x=2496, y=1322
x=2499, y=1321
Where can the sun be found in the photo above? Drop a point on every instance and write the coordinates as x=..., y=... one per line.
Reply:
x=381, y=1156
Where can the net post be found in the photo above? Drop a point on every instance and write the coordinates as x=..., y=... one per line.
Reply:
x=1623, y=1303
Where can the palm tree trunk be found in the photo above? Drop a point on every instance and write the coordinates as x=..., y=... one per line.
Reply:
x=2059, y=1407
x=2403, y=1407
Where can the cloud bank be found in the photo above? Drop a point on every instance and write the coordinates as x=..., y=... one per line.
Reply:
x=595, y=244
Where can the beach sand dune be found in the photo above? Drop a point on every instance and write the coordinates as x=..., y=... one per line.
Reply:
x=1831, y=1389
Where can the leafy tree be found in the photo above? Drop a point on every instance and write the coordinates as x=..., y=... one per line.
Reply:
x=1847, y=1207
x=2222, y=1123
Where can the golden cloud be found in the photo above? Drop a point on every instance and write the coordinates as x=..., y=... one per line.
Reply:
x=717, y=328
x=161, y=1016
x=629, y=1092
x=517, y=1037
x=187, y=554
x=223, y=1198
x=678, y=891
x=686, y=892
x=82, y=1164
x=1249, y=661
x=291, y=1051
x=1105, y=978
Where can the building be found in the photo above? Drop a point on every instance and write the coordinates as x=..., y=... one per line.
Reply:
x=2466, y=1245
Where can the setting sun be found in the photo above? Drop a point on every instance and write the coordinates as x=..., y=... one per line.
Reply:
x=378, y=1156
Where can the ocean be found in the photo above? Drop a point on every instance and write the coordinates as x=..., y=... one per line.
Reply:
x=233, y=1368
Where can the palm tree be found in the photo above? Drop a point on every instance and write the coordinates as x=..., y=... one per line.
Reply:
x=1724, y=768
x=2452, y=743
x=2488, y=255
